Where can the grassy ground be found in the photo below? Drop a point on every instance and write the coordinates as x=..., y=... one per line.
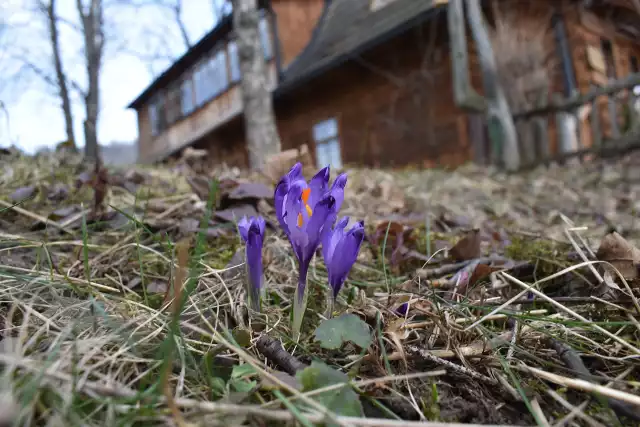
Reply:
x=511, y=327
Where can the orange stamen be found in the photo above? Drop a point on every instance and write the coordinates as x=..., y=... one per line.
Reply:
x=305, y=195
x=305, y=199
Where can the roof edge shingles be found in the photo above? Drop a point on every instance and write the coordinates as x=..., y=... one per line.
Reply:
x=348, y=29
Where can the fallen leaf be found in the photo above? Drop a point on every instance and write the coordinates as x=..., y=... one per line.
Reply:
x=332, y=333
x=135, y=176
x=58, y=192
x=392, y=195
x=157, y=287
x=236, y=213
x=200, y=186
x=82, y=179
x=23, y=193
x=468, y=247
x=277, y=165
x=251, y=190
x=134, y=283
x=616, y=250
x=231, y=269
x=482, y=271
x=291, y=381
x=343, y=401
x=64, y=212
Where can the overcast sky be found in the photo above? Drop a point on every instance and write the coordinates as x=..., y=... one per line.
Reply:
x=34, y=117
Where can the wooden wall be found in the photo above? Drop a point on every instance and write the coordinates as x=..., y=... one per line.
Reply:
x=393, y=107
x=296, y=21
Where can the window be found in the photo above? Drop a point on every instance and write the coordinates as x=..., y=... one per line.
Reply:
x=199, y=82
x=211, y=78
x=154, y=118
x=187, y=97
x=218, y=73
x=234, y=62
x=172, y=107
x=265, y=37
x=325, y=135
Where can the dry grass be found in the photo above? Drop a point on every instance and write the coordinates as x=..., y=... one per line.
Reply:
x=87, y=339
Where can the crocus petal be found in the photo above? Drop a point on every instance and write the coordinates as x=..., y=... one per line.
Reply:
x=279, y=197
x=402, y=309
x=243, y=227
x=345, y=255
x=254, y=257
x=282, y=189
x=337, y=189
x=252, y=232
x=319, y=186
x=332, y=237
x=324, y=213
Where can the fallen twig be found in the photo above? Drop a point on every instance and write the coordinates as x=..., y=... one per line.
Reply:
x=274, y=352
x=572, y=359
x=454, y=367
x=452, y=268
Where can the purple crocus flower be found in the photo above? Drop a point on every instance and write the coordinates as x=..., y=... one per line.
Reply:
x=304, y=211
x=252, y=232
x=340, y=251
x=402, y=309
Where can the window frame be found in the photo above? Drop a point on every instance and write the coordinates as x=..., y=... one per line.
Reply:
x=328, y=142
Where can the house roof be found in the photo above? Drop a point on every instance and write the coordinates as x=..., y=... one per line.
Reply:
x=349, y=27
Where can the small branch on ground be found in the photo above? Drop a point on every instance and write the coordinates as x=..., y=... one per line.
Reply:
x=274, y=352
x=573, y=361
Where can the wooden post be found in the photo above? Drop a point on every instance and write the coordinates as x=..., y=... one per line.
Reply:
x=463, y=93
x=596, y=134
x=501, y=123
x=633, y=113
x=613, y=116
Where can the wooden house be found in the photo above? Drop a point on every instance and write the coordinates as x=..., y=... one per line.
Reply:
x=369, y=82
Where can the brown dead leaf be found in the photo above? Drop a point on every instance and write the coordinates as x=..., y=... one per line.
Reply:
x=481, y=271
x=200, y=186
x=392, y=195
x=468, y=247
x=236, y=213
x=279, y=164
x=58, y=192
x=616, y=250
x=157, y=287
x=251, y=190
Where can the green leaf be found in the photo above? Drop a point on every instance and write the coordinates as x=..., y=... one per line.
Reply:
x=342, y=401
x=348, y=327
x=243, y=370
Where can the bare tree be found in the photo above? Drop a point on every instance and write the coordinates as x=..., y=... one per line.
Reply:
x=92, y=22
x=49, y=11
x=260, y=127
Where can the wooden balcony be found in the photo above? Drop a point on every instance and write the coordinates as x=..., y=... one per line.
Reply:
x=202, y=121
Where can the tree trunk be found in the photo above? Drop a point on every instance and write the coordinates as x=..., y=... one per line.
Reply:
x=499, y=113
x=464, y=95
x=92, y=27
x=61, y=78
x=260, y=127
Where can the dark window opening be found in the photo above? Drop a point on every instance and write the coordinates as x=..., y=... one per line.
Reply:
x=607, y=52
